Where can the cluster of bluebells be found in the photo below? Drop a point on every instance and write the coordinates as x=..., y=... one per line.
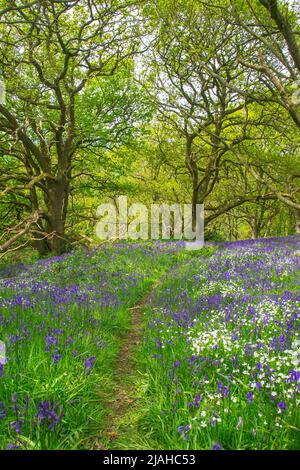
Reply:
x=49, y=414
x=184, y=431
x=224, y=331
x=18, y=411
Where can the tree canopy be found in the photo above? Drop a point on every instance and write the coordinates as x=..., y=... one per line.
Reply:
x=166, y=101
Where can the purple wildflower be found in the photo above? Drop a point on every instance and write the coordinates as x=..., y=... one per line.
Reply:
x=16, y=425
x=2, y=410
x=90, y=361
x=184, y=431
x=49, y=413
x=258, y=386
x=217, y=446
x=56, y=358
x=51, y=340
x=26, y=404
x=282, y=406
x=14, y=399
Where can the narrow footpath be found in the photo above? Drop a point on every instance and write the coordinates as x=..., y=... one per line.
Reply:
x=125, y=393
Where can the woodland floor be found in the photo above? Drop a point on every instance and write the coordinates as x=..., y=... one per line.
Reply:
x=125, y=393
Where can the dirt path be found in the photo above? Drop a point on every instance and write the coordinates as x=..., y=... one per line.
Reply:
x=124, y=394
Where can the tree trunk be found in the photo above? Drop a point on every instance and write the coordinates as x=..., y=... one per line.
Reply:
x=194, y=208
x=297, y=217
x=57, y=209
x=193, y=171
x=41, y=245
x=254, y=232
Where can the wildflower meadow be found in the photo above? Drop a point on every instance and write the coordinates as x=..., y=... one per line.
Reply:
x=218, y=359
